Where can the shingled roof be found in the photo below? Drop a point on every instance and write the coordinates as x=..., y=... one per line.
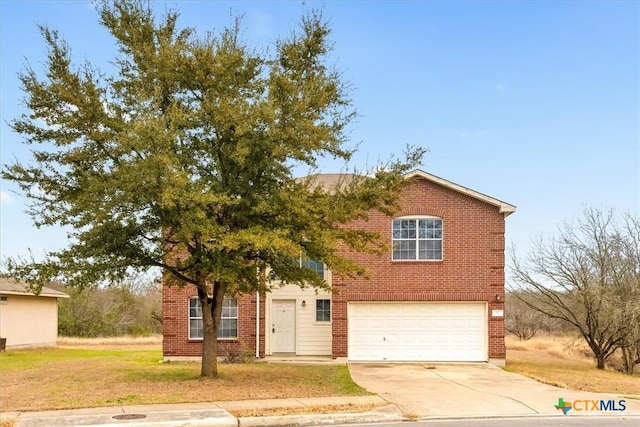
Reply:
x=329, y=181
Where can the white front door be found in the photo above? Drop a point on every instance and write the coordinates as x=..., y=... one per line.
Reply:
x=283, y=326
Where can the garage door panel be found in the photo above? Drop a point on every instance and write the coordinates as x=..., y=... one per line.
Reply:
x=417, y=331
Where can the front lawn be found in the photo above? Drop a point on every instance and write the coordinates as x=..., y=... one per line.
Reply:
x=65, y=378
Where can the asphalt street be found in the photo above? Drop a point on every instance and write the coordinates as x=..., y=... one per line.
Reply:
x=568, y=421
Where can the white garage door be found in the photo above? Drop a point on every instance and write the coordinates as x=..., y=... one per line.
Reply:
x=407, y=331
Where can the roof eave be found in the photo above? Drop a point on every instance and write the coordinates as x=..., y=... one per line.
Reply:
x=29, y=294
x=504, y=208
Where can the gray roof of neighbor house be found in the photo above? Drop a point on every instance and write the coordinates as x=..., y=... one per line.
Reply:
x=329, y=181
x=332, y=180
x=9, y=286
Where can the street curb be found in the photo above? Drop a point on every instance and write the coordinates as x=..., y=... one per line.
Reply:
x=323, y=419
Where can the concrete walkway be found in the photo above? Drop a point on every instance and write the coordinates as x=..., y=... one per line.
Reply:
x=209, y=414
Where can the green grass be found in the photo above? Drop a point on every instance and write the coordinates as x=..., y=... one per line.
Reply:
x=161, y=374
x=340, y=378
x=36, y=358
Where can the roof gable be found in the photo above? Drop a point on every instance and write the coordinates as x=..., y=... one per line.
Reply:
x=330, y=181
x=504, y=207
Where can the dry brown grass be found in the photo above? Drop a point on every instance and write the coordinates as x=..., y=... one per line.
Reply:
x=125, y=342
x=560, y=346
x=566, y=362
x=66, y=378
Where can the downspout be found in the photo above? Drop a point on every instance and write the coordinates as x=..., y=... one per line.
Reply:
x=258, y=324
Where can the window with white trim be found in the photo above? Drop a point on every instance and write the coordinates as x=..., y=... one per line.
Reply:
x=314, y=265
x=228, y=328
x=323, y=310
x=417, y=239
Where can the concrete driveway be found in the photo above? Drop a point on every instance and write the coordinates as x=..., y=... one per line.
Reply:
x=473, y=390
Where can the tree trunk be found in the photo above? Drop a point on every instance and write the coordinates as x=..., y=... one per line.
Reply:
x=600, y=361
x=627, y=358
x=596, y=348
x=211, y=314
x=209, y=366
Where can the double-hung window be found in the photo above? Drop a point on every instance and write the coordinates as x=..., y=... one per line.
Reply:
x=417, y=238
x=323, y=310
x=228, y=328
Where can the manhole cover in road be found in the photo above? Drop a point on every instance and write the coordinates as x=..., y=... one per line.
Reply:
x=129, y=417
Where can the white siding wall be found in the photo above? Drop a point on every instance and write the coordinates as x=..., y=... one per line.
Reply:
x=29, y=320
x=312, y=338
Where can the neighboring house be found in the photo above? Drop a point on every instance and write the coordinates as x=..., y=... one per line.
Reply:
x=437, y=295
x=26, y=319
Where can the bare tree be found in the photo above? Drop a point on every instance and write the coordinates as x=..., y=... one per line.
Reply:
x=521, y=320
x=587, y=277
x=630, y=293
x=631, y=350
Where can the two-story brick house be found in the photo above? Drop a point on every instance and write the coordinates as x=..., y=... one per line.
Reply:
x=437, y=295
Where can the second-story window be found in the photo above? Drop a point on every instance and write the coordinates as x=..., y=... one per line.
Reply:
x=418, y=239
x=316, y=266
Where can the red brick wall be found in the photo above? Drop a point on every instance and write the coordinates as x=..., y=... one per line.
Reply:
x=472, y=268
x=175, y=324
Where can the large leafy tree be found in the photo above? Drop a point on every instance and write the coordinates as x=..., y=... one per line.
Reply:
x=184, y=159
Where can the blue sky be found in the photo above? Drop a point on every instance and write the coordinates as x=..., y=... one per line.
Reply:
x=534, y=103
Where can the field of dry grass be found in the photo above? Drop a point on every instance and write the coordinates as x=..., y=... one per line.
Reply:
x=566, y=362
x=152, y=341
